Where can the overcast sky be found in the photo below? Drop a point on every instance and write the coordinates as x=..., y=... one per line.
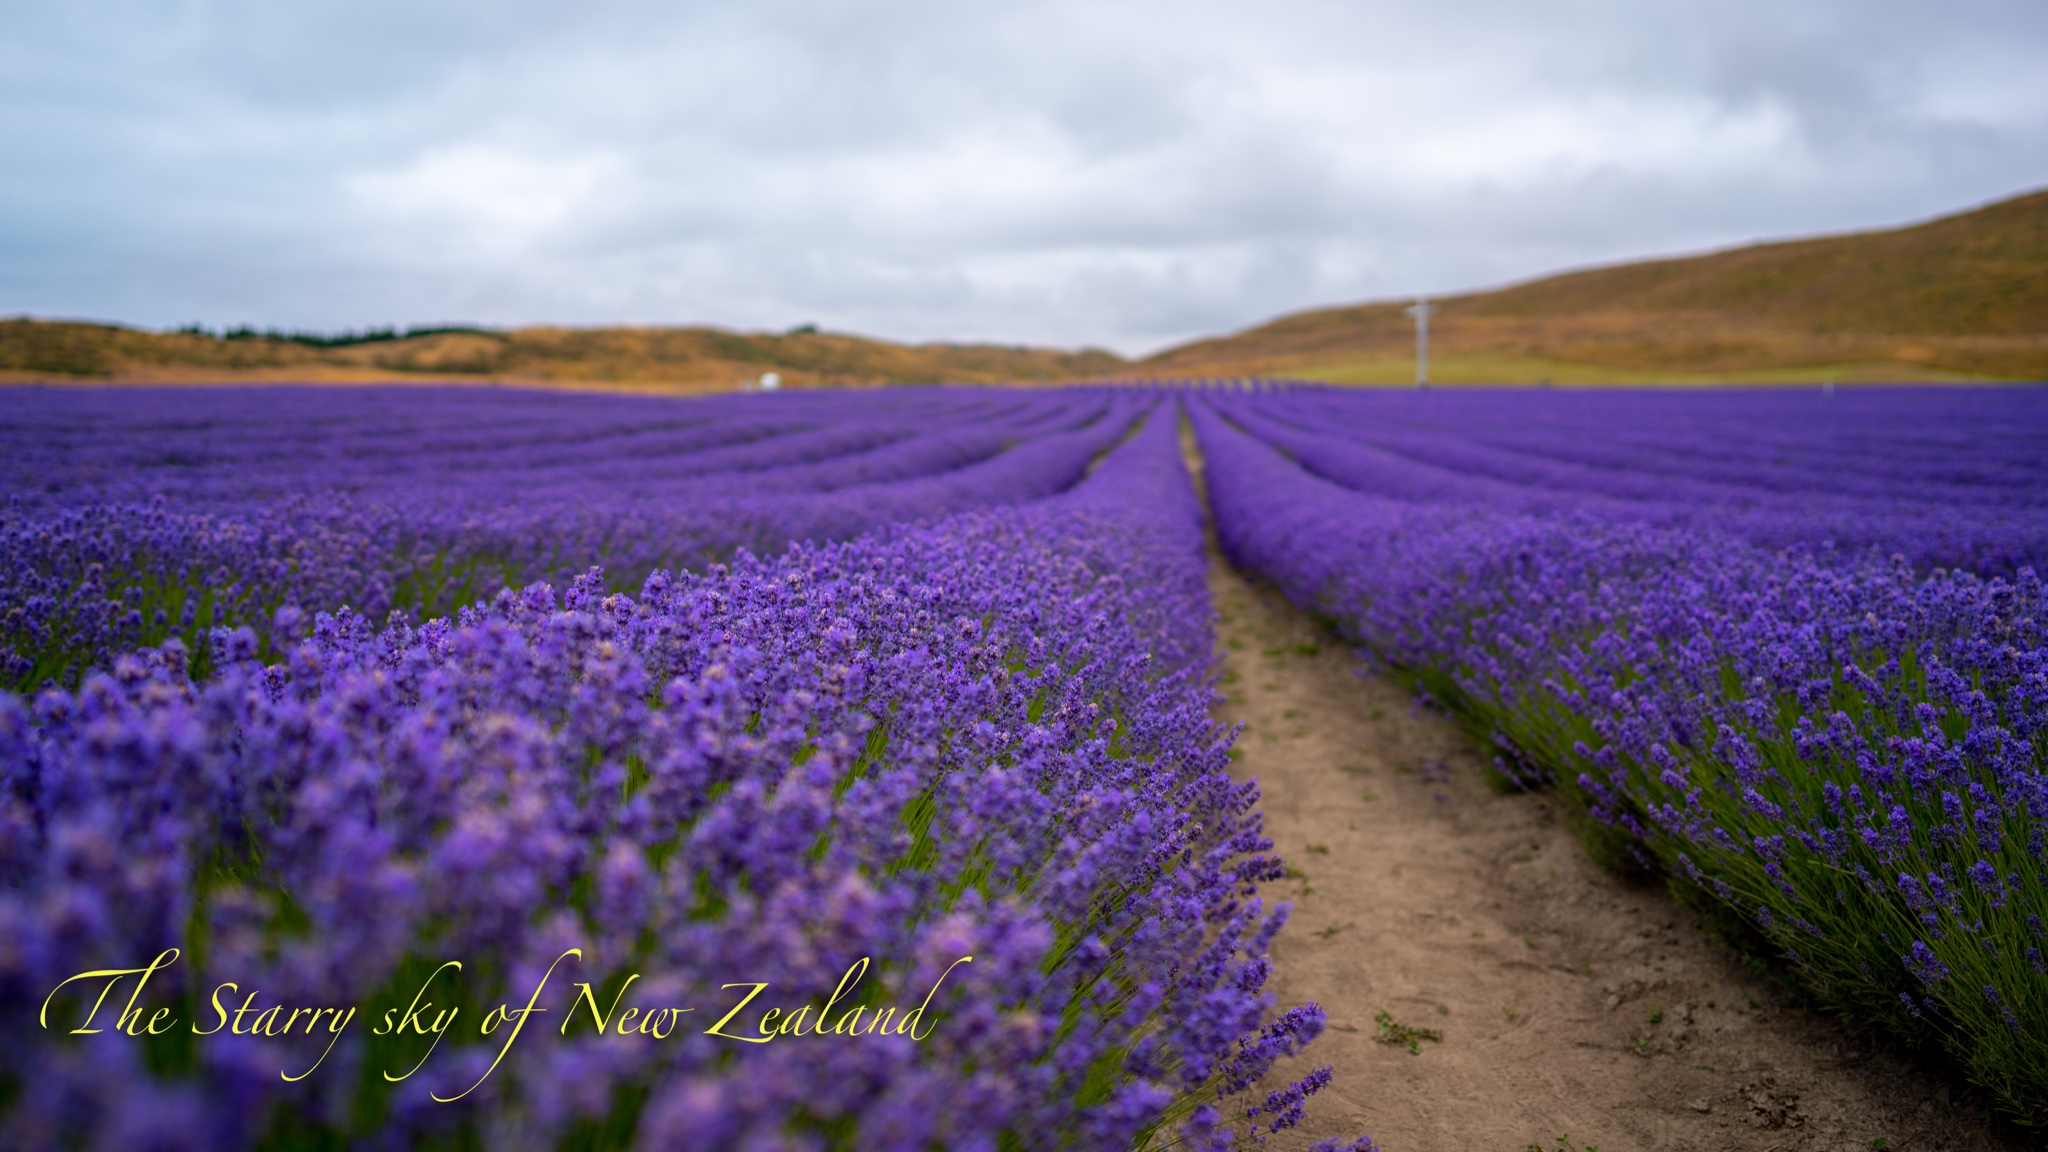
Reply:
x=1122, y=174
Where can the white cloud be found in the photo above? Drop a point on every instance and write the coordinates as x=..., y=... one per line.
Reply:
x=480, y=201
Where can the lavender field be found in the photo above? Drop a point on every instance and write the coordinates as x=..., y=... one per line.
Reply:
x=1789, y=649
x=326, y=690
x=633, y=704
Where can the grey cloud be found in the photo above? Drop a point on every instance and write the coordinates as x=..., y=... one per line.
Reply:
x=1067, y=172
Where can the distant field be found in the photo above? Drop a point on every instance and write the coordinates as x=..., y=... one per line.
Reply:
x=613, y=359
x=1479, y=368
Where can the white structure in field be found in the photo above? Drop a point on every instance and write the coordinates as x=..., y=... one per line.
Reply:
x=1421, y=310
x=770, y=381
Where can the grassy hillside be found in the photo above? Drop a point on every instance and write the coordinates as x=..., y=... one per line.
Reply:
x=1962, y=297
x=683, y=359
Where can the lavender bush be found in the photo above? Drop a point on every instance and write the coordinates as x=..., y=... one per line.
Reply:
x=1843, y=745
x=985, y=735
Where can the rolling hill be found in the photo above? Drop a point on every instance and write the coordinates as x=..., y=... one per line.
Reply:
x=668, y=359
x=1957, y=298
x=1963, y=296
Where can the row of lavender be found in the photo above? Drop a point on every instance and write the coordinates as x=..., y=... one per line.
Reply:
x=1790, y=649
x=1949, y=479
x=136, y=516
x=986, y=736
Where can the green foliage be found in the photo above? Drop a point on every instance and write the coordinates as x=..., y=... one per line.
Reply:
x=1390, y=1032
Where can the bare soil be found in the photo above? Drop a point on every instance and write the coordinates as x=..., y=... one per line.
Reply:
x=1568, y=1000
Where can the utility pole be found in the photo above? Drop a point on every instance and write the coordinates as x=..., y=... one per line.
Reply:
x=1421, y=311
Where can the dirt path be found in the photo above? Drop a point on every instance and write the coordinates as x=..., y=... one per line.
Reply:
x=1567, y=1000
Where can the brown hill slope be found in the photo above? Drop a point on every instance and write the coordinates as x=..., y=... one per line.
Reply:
x=684, y=359
x=1961, y=297
x=1964, y=295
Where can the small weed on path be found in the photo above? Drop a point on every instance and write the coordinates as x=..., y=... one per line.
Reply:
x=1391, y=1033
x=1290, y=872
